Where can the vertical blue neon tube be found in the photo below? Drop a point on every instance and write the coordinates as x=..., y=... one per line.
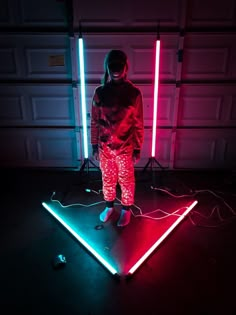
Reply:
x=83, y=95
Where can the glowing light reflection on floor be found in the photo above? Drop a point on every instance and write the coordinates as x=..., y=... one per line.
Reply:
x=51, y=208
x=158, y=242
x=80, y=239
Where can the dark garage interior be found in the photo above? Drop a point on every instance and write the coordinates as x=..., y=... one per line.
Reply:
x=45, y=269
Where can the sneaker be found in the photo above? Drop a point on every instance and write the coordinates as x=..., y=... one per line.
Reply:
x=105, y=214
x=124, y=218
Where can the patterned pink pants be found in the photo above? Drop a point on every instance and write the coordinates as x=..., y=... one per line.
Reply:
x=117, y=168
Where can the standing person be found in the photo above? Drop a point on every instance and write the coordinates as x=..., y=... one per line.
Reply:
x=117, y=133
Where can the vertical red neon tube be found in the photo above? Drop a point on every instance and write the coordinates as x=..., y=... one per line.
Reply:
x=155, y=101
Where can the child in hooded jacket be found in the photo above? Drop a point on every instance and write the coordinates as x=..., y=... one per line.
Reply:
x=117, y=133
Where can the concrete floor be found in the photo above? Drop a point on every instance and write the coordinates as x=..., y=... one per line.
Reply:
x=192, y=272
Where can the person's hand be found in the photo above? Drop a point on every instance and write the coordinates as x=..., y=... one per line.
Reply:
x=96, y=156
x=136, y=156
x=95, y=152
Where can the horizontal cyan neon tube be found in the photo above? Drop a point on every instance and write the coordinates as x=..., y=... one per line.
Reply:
x=80, y=239
x=158, y=242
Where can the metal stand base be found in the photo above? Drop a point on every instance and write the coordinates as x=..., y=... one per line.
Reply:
x=86, y=164
x=152, y=161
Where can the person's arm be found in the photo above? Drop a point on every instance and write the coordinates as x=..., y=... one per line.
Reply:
x=94, y=126
x=139, y=127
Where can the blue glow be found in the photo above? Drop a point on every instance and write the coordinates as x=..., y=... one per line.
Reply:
x=80, y=239
x=83, y=97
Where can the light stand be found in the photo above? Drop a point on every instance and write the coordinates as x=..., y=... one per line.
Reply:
x=83, y=103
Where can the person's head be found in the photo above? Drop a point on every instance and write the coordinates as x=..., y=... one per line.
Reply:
x=115, y=66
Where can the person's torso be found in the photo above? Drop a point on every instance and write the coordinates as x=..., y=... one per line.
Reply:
x=116, y=113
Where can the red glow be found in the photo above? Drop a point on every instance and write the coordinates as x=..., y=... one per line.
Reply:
x=155, y=102
x=121, y=251
x=164, y=235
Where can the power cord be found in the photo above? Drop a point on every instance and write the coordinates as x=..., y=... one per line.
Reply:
x=78, y=204
x=163, y=214
x=215, y=210
x=147, y=215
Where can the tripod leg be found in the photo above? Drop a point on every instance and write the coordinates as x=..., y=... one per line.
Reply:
x=146, y=166
x=153, y=178
x=158, y=164
x=83, y=165
x=94, y=164
x=86, y=163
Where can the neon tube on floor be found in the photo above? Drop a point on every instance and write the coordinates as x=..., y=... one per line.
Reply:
x=154, y=246
x=81, y=240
